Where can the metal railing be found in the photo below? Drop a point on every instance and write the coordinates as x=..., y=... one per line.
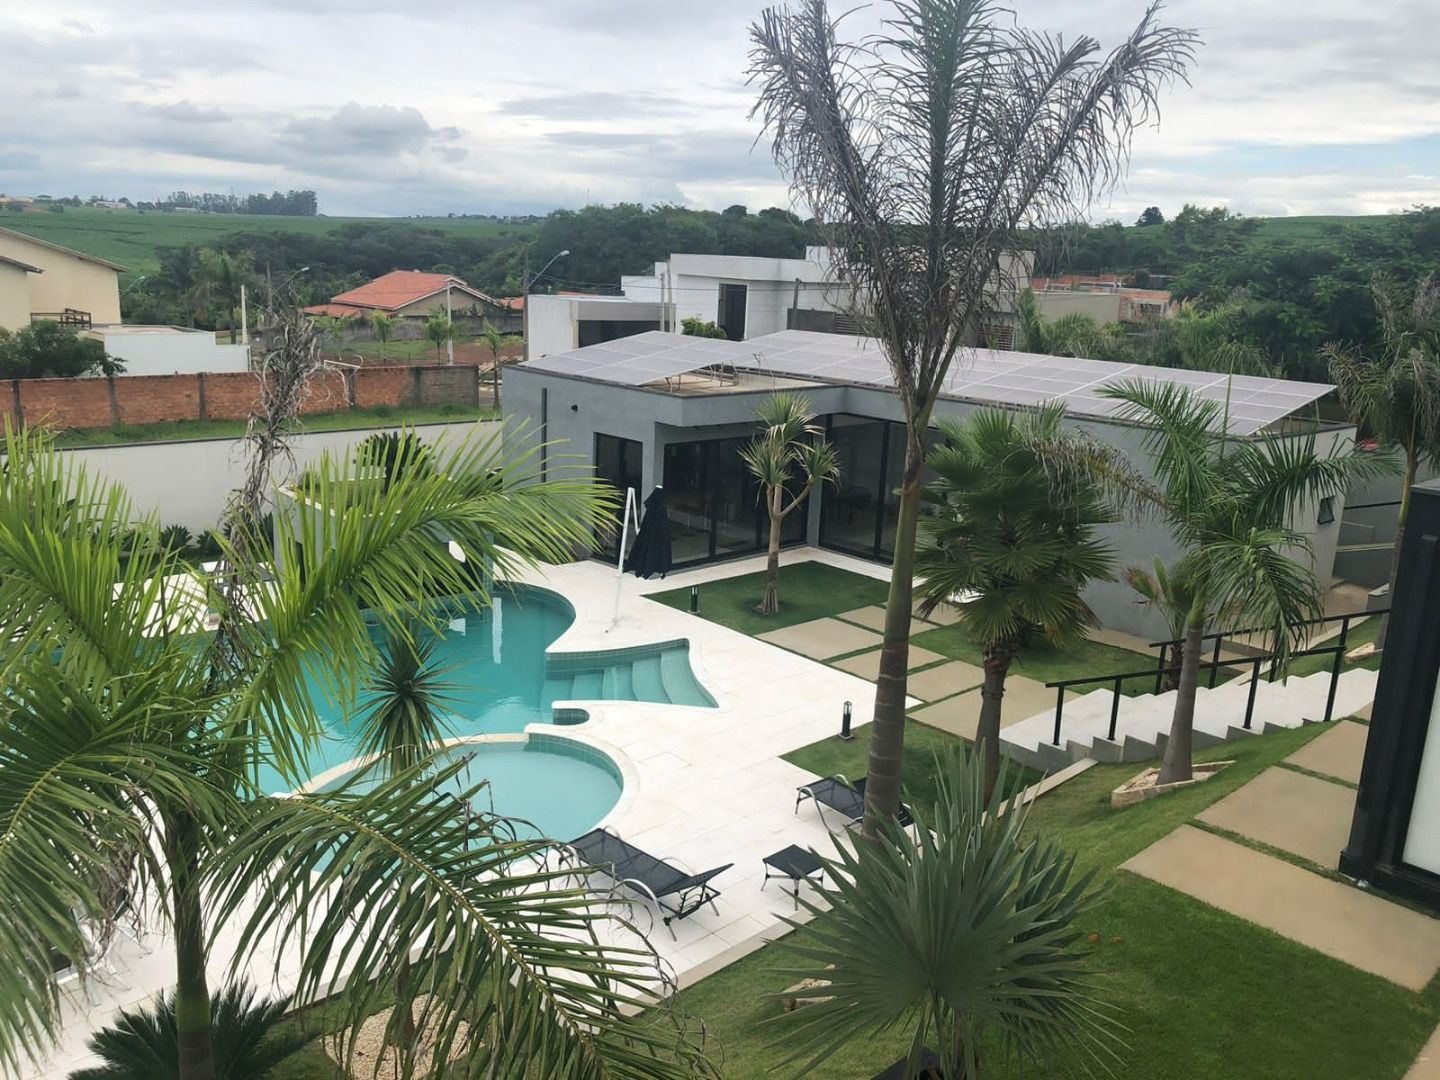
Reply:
x=1214, y=664
x=69, y=317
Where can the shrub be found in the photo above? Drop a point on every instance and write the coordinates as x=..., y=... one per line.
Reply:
x=698, y=327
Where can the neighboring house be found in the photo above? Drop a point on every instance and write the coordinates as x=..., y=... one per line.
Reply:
x=169, y=350
x=410, y=294
x=66, y=285
x=657, y=409
x=15, y=292
x=560, y=322
x=1103, y=297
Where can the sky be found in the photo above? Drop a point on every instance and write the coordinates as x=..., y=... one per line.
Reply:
x=1313, y=107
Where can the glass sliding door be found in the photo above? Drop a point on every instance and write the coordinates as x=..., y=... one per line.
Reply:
x=687, y=496
x=850, y=512
x=716, y=509
x=617, y=463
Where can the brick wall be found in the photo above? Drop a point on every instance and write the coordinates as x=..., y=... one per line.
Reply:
x=148, y=399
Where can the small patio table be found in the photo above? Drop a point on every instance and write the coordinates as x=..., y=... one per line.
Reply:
x=795, y=863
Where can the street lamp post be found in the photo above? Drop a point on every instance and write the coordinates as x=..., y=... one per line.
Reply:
x=526, y=280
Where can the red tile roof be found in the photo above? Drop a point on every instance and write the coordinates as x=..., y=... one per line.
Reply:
x=396, y=289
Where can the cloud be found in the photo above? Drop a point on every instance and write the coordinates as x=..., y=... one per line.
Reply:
x=364, y=130
x=600, y=105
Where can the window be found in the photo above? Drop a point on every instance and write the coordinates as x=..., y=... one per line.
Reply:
x=1327, y=510
x=618, y=463
x=731, y=314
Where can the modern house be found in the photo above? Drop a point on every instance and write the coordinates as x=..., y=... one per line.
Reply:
x=560, y=322
x=47, y=281
x=410, y=294
x=661, y=409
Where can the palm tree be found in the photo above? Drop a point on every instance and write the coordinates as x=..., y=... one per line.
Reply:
x=401, y=720
x=1015, y=505
x=497, y=343
x=129, y=733
x=1230, y=506
x=1165, y=589
x=215, y=284
x=790, y=451
x=1396, y=395
x=962, y=932
x=921, y=152
x=383, y=327
x=438, y=330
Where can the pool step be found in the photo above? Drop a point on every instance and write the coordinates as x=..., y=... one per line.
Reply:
x=676, y=676
x=647, y=681
x=619, y=683
x=587, y=686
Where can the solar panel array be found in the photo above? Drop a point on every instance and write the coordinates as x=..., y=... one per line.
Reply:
x=984, y=375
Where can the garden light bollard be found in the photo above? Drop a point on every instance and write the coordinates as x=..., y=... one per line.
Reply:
x=694, y=599
x=845, y=723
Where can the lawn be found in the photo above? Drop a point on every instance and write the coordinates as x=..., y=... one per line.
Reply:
x=133, y=239
x=1364, y=634
x=1204, y=995
x=343, y=420
x=1043, y=663
x=808, y=590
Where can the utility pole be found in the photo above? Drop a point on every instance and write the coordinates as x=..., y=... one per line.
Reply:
x=449, y=318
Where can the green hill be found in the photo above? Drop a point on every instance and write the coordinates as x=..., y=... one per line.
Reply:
x=131, y=237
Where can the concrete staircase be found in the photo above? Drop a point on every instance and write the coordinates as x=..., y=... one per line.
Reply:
x=1143, y=724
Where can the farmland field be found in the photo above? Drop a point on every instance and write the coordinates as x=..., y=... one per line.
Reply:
x=131, y=238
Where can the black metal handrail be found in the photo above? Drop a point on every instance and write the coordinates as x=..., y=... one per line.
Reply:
x=1117, y=681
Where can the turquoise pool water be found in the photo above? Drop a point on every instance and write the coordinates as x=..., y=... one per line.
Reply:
x=500, y=682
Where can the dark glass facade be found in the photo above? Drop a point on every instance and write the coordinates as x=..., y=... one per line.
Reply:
x=618, y=463
x=859, y=516
x=715, y=506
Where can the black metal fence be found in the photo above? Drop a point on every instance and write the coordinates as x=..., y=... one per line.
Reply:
x=1172, y=649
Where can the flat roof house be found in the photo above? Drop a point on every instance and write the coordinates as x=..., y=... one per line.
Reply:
x=659, y=408
x=69, y=286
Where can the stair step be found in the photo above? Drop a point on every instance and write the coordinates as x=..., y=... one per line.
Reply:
x=587, y=686
x=556, y=688
x=618, y=683
x=647, y=682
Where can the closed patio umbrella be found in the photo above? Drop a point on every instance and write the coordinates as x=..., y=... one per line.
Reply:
x=651, y=554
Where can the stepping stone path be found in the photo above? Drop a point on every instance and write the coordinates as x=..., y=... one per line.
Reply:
x=873, y=617
x=937, y=682
x=960, y=715
x=1358, y=928
x=867, y=665
x=821, y=639
x=1338, y=753
x=1301, y=814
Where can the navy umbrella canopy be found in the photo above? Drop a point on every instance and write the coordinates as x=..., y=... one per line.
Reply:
x=650, y=554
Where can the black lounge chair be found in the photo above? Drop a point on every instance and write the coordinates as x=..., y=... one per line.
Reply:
x=652, y=877
x=844, y=798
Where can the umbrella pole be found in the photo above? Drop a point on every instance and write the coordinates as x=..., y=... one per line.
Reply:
x=630, y=501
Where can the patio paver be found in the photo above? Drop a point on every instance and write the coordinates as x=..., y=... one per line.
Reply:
x=960, y=715
x=1301, y=814
x=873, y=617
x=1338, y=753
x=1427, y=1063
x=821, y=639
x=949, y=678
x=867, y=665
x=943, y=615
x=1355, y=927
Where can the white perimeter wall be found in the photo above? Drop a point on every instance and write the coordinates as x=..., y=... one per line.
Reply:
x=188, y=483
x=169, y=354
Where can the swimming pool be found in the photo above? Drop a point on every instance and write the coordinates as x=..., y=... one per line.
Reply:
x=500, y=681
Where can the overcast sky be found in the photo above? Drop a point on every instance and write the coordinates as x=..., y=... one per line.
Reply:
x=1297, y=106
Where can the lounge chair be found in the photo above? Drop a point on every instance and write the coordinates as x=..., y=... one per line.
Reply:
x=843, y=797
x=654, y=878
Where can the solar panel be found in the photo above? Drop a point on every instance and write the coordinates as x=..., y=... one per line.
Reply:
x=981, y=375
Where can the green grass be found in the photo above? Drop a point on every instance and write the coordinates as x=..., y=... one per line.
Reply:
x=1364, y=634
x=133, y=239
x=808, y=590
x=1045, y=664
x=343, y=420
x=1204, y=995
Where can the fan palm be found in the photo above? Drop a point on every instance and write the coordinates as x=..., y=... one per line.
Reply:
x=1396, y=395
x=962, y=931
x=1012, y=540
x=140, y=1045
x=790, y=453
x=127, y=728
x=1230, y=505
x=922, y=152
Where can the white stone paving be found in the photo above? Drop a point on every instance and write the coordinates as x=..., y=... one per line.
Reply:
x=704, y=786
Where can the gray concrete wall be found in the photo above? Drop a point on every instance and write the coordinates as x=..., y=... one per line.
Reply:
x=189, y=482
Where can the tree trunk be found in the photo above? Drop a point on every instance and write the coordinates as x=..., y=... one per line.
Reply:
x=192, y=990
x=1176, y=766
x=771, y=604
x=987, y=730
x=495, y=377
x=1411, y=465
x=887, y=729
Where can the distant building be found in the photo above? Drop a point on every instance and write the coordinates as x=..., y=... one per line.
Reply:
x=169, y=350
x=1103, y=297
x=410, y=294
x=56, y=283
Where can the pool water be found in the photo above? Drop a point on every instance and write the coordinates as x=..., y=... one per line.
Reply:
x=499, y=682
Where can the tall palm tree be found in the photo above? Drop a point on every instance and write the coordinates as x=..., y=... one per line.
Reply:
x=1396, y=394
x=383, y=327
x=216, y=279
x=921, y=152
x=962, y=932
x=497, y=344
x=1230, y=505
x=128, y=727
x=1012, y=539
x=1165, y=589
x=791, y=452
